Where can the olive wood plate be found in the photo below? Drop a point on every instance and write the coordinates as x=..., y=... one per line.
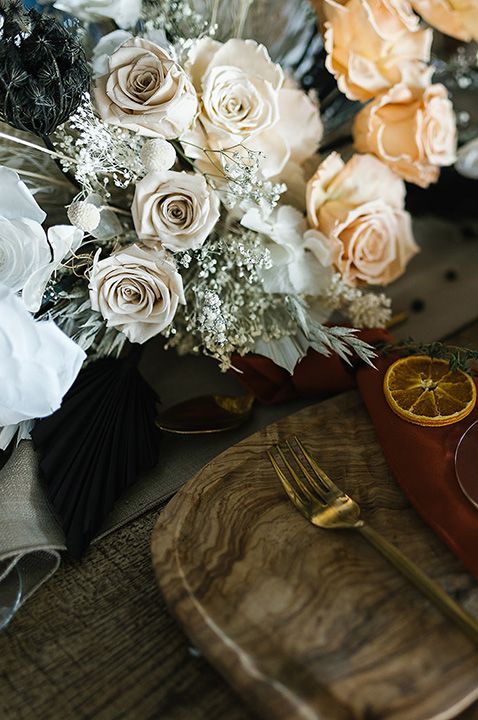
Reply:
x=307, y=623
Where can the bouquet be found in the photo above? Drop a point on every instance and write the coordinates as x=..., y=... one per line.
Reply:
x=186, y=188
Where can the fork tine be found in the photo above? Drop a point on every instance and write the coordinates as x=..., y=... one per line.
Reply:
x=305, y=489
x=320, y=473
x=317, y=491
x=293, y=494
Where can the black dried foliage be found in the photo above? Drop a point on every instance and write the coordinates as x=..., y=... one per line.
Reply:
x=43, y=70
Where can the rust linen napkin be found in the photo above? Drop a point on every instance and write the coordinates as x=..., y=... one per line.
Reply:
x=422, y=461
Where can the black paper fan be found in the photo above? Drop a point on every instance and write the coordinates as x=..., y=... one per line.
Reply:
x=95, y=446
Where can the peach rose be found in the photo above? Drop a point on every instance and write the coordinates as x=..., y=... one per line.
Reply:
x=374, y=44
x=412, y=130
x=359, y=207
x=137, y=290
x=146, y=91
x=458, y=18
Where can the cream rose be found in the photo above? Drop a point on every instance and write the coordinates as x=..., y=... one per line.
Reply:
x=458, y=18
x=412, y=130
x=374, y=44
x=137, y=291
x=176, y=209
x=146, y=91
x=245, y=99
x=359, y=207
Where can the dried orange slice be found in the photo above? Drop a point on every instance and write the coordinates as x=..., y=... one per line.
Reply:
x=424, y=391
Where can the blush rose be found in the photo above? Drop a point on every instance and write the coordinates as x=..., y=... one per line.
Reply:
x=374, y=44
x=412, y=130
x=359, y=207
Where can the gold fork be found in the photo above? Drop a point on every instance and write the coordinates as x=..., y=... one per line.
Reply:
x=326, y=506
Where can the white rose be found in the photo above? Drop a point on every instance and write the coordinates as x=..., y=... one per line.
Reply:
x=137, y=291
x=176, y=209
x=245, y=99
x=301, y=259
x=145, y=91
x=38, y=363
x=125, y=13
x=28, y=256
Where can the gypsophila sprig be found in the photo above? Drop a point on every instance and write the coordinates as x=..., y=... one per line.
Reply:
x=227, y=308
x=365, y=309
x=103, y=156
x=236, y=175
x=244, y=183
x=177, y=18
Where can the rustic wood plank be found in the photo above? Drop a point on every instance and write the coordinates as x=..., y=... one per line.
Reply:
x=308, y=623
x=97, y=642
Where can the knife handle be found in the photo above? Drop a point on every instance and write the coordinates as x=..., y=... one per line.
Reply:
x=428, y=587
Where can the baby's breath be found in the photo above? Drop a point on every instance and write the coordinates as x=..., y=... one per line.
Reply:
x=237, y=176
x=102, y=154
x=245, y=184
x=364, y=309
x=177, y=18
x=227, y=308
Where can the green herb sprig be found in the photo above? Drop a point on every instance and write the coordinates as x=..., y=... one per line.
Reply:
x=458, y=358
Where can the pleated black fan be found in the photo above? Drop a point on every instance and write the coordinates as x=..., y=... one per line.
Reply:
x=95, y=446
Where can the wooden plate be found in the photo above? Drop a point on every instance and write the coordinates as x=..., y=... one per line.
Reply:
x=306, y=623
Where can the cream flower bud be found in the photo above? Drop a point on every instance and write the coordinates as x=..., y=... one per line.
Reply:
x=158, y=155
x=84, y=215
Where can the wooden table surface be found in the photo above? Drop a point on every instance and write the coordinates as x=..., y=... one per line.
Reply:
x=97, y=642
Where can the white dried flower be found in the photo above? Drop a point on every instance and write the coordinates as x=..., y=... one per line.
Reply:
x=157, y=155
x=84, y=215
x=364, y=309
x=370, y=310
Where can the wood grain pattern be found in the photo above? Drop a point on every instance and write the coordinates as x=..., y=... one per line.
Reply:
x=307, y=623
